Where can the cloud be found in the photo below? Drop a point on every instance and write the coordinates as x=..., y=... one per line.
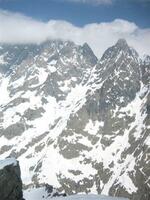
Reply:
x=93, y=2
x=16, y=28
x=103, y=2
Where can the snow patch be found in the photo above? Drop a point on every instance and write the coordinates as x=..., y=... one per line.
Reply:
x=2, y=61
x=7, y=162
x=92, y=127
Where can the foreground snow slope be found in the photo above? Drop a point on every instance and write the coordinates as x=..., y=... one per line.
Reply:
x=40, y=194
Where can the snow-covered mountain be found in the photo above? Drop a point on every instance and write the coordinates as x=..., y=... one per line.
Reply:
x=76, y=122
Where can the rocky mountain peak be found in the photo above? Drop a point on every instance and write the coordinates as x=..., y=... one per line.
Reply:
x=87, y=48
x=87, y=51
x=120, y=50
x=120, y=71
x=122, y=43
x=146, y=60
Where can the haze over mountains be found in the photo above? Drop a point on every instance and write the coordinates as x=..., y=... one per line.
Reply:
x=75, y=121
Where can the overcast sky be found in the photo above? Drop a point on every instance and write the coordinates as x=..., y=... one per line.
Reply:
x=100, y=30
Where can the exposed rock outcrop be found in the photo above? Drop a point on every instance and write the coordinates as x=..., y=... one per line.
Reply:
x=10, y=180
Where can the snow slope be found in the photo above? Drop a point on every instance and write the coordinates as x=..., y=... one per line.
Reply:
x=7, y=162
x=41, y=194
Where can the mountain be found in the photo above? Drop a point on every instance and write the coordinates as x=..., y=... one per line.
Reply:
x=74, y=121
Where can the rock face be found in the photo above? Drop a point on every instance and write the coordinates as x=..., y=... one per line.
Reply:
x=10, y=180
x=77, y=122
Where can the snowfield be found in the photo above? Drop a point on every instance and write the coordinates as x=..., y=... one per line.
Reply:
x=41, y=194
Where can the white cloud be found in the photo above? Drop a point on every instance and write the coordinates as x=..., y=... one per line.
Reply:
x=17, y=28
x=102, y=2
x=94, y=2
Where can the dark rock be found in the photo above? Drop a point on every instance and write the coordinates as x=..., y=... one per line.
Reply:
x=53, y=192
x=10, y=180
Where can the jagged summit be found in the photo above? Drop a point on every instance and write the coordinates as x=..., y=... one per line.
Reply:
x=122, y=43
x=127, y=50
x=121, y=48
x=146, y=60
x=85, y=45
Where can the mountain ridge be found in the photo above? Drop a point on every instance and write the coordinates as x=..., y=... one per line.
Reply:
x=65, y=111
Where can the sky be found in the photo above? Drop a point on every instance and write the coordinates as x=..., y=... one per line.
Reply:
x=100, y=23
